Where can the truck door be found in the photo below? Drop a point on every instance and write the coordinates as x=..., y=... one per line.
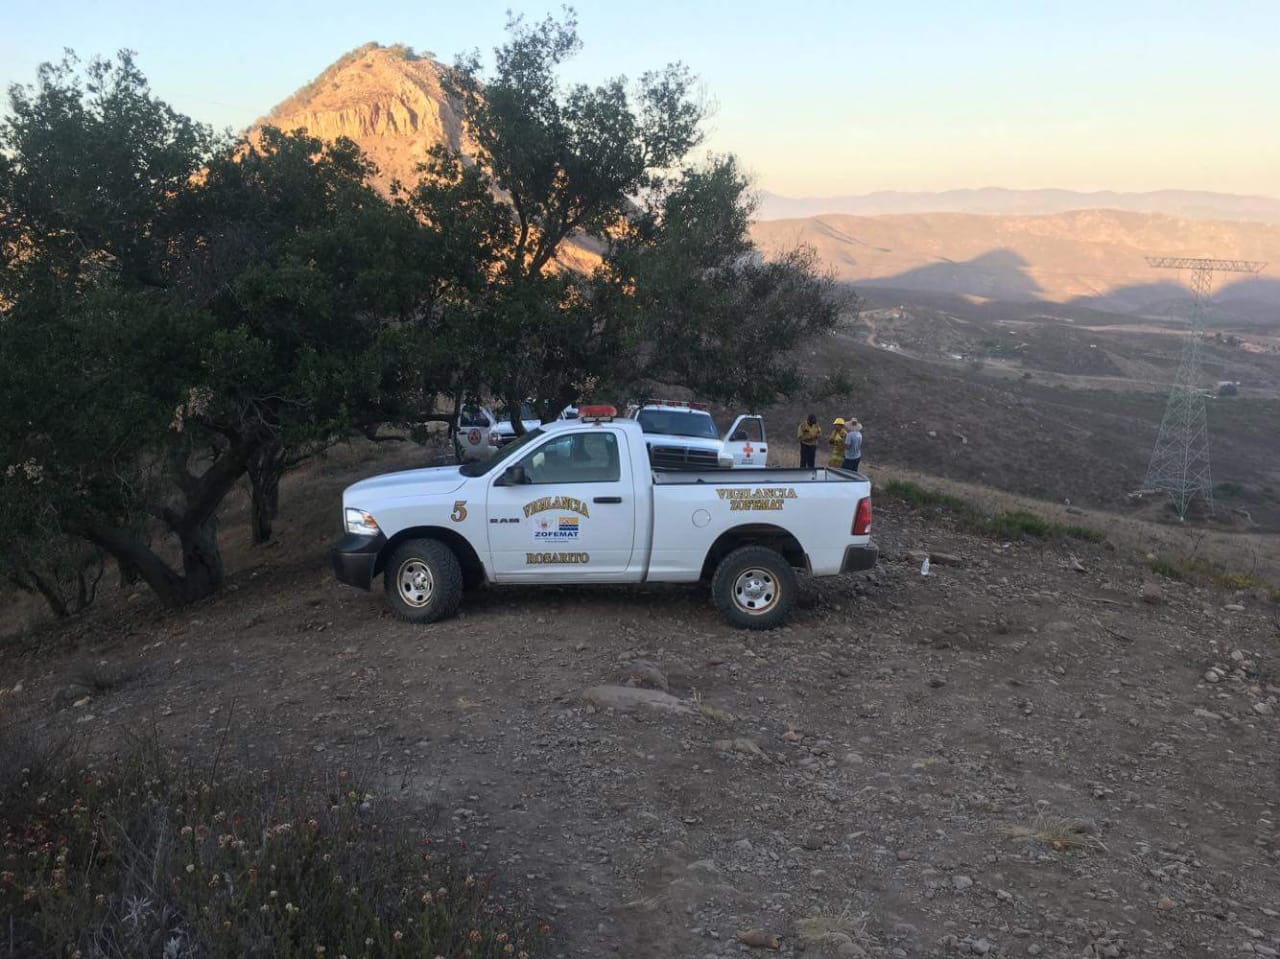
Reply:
x=745, y=442
x=572, y=517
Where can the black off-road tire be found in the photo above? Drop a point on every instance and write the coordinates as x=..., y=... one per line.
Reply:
x=755, y=587
x=423, y=581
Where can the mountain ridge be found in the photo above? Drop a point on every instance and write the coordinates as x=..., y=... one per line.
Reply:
x=1187, y=204
x=1090, y=256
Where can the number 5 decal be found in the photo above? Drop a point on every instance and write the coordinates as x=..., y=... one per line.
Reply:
x=459, y=511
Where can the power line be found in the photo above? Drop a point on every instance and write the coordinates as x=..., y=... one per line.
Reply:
x=1180, y=461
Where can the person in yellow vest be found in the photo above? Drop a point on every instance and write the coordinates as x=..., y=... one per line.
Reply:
x=836, y=442
x=808, y=434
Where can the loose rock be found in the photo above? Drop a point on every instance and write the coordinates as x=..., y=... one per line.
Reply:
x=759, y=939
x=627, y=698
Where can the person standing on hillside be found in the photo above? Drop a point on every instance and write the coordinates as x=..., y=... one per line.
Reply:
x=809, y=433
x=853, y=445
x=835, y=442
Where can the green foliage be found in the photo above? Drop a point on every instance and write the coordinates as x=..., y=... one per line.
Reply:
x=837, y=384
x=1007, y=525
x=678, y=296
x=88, y=157
x=153, y=858
x=1167, y=568
x=921, y=498
x=711, y=314
x=1198, y=570
x=1018, y=523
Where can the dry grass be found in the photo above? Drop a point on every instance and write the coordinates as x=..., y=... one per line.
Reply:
x=1059, y=833
x=832, y=930
x=195, y=861
x=716, y=713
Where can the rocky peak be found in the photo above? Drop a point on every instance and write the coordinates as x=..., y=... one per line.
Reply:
x=389, y=100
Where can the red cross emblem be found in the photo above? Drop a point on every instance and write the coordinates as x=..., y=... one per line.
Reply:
x=747, y=450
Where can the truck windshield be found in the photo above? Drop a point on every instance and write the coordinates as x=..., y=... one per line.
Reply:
x=480, y=467
x=678, y=423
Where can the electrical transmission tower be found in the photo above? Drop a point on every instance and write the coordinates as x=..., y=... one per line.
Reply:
x=1180, y=461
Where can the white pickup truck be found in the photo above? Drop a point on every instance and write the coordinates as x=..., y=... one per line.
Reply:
x=577, y=501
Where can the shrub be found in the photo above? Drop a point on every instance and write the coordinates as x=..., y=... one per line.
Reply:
x=1166, y=568
x=154, y=858
x=1197, y=570
x=919, y=497
x=1012, y=525
x=1019, y=523
x=837, y=384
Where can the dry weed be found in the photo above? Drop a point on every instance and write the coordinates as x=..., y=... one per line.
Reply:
x=832, y=930
x=1060, y=833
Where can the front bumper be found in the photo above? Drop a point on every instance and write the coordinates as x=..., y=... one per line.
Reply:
x=355, y=558
x=859, y=559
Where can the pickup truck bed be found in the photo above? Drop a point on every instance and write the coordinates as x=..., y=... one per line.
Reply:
x=759, y=499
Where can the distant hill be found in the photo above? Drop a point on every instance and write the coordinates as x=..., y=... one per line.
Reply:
x=1091, y=256
x=1187, y=204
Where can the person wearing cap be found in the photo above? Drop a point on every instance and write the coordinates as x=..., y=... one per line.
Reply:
x=853, y=445
x=836, y=442
x=809, y=433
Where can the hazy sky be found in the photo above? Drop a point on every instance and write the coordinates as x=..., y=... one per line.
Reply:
x=815, y=97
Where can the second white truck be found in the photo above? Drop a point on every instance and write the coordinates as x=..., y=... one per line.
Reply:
x=683, y=435
x=578, y=501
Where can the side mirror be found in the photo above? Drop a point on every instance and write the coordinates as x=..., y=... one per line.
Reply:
x=725, y=461
x=514, y=476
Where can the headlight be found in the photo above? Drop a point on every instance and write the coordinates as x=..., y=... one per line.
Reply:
x=361, y=523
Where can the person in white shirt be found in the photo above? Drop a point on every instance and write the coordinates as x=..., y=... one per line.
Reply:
x=853, y=445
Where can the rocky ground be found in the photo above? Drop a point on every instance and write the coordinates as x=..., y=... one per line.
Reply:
x=1007, y=757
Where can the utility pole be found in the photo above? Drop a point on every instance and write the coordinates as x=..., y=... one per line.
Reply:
x=1180, y=461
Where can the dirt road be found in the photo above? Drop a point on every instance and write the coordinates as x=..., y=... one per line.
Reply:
x=1007, y=757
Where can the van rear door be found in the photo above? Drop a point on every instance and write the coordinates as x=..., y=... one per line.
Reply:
x=746, y=442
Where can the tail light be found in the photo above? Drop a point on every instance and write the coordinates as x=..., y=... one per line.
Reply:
x=862, y=518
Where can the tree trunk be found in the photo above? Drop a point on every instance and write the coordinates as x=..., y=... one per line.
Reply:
x=266, y=467
x=201, y=564
x=201, y=561
x=196, y=527
x=33, y=582
x=87, y=580
x=515, y=410
x=129, y=574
